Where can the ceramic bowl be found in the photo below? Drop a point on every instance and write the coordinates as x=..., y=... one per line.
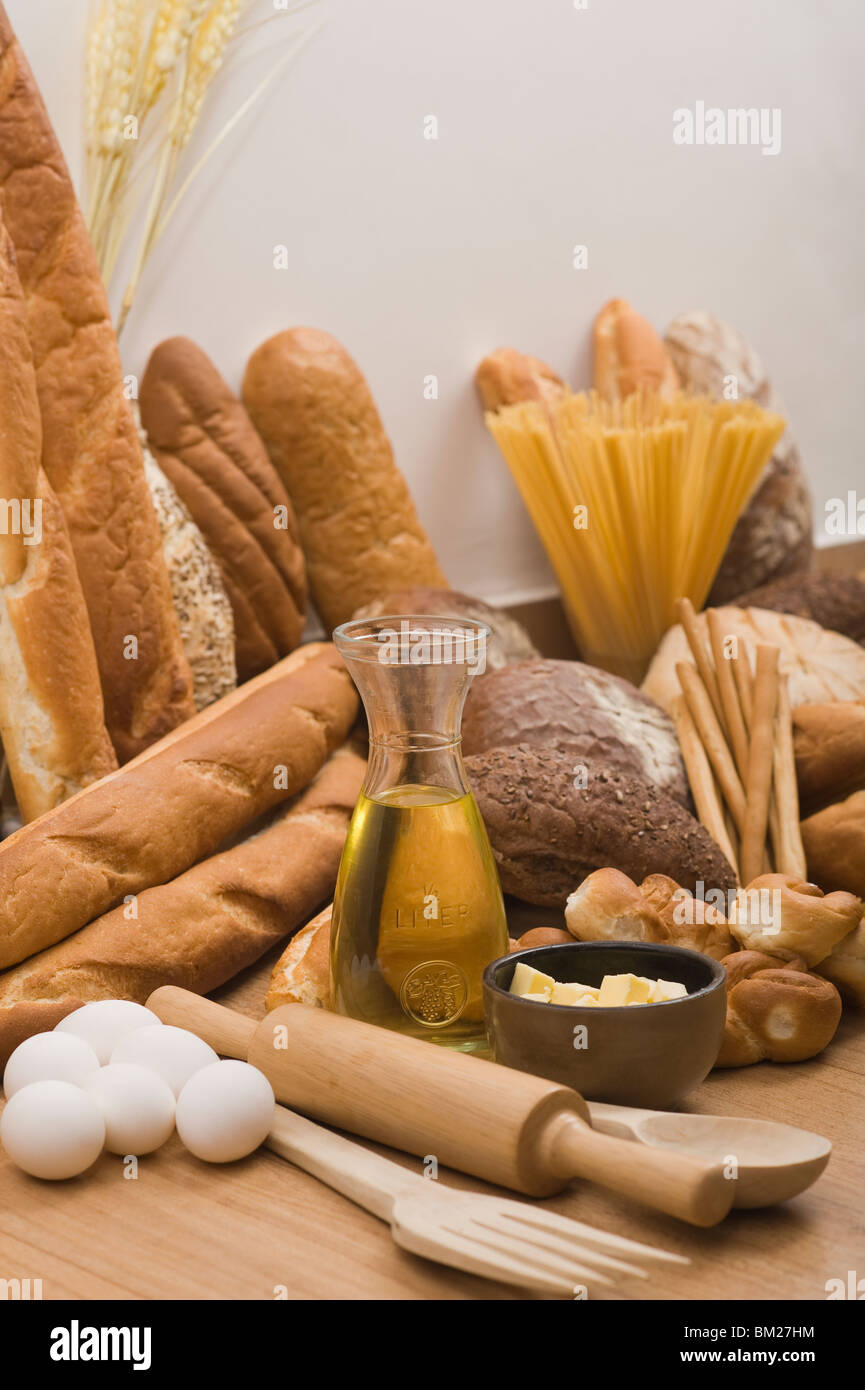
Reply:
x=648, y=1055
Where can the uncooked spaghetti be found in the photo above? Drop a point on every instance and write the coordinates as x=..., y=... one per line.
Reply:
x=635, y=503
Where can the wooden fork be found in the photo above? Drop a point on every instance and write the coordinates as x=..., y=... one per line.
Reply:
x=496, y=1237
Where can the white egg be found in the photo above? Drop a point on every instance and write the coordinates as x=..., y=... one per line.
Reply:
x=49, y=1057
x=52, y=1129
x=172, y=1052
x=225, y=1111
x=103, y=1023
x=137, y=1105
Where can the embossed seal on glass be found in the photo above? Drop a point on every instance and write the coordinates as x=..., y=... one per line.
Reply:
x=434, y=993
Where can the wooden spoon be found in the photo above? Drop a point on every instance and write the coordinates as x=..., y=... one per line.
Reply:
x=773, y=1161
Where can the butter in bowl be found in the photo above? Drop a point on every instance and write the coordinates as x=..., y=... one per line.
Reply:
x=629, y=1023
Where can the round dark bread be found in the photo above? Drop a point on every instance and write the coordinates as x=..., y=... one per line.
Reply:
x=836, y=601
x=508, y=642
x=548, y=835
x=598, y=719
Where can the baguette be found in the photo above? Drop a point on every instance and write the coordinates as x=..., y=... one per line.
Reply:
x=51, y=712
x=506, y=377
x=90, y=451
x=358, y=525
x=628, y=355
x=175, y=803
x=203, y=927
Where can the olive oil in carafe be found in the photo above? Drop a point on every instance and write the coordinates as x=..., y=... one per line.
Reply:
x=418, y=914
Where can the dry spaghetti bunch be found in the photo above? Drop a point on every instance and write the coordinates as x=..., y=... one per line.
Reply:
x=150, y=66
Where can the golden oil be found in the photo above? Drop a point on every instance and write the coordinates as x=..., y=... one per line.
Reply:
x=418, y=914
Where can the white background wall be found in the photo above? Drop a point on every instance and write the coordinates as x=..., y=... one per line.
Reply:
x=555, y=128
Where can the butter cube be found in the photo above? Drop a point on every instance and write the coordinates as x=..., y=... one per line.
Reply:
x=573, y=994
x=529, y=981
x=537, y=998
x=667, y=989
x=623, y=989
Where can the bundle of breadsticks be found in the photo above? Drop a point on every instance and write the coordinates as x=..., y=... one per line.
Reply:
x=735, y=730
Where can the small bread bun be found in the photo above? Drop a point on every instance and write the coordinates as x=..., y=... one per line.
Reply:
x=629, y=355
x=779, y=1015
x=608, y=906
x=302, y=973
x=811, y=923
x=691, y=922
x=741, y=965
x=506, y=377
x=540, y=936
x=845, y=967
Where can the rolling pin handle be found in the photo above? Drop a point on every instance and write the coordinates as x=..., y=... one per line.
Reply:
x=228, y=1033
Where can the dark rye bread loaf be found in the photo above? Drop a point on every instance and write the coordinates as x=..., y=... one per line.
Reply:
x=598, y=719
x=548, y=834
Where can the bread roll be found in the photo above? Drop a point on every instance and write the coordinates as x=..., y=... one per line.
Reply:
x=692, y=922
x=608, y=906
x=302, y=973
x=845, y=966
x=779, y=1015
x=201, y=928
x=175, y=803
x=829, y=741
x=548, y=835
x=820, y=665
x=203, y=609
x=629, y=355
x=595, y=717
x=358, y=525
x=773, y=536
x=90, y=448
x=506, y=377
x=508, y=641
x=801, y=921
x=51, y=711
x=207, y=446
x=834, y=841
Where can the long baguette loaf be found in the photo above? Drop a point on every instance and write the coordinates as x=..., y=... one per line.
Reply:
x=91, y=451
x=51, y=712
x=175, y=803
x=358, y=525
x=203, y=927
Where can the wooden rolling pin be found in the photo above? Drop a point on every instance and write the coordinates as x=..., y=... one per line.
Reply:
x=504, y=1126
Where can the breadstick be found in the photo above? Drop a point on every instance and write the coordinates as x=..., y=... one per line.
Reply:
x=703, y=788
x=729, y=694
x=714, y=743
x=784, y=825
x=744, y=684
x=759, y=784
x=687, y=618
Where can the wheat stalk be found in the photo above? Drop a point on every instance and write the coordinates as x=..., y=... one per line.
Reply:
x=150, y=65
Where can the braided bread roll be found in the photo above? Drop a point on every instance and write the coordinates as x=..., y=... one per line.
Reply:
x=775, y=1014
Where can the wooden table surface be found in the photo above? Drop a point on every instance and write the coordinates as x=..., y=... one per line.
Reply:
x=260, y=1229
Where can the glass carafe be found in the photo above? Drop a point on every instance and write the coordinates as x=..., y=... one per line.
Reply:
x=418, y=909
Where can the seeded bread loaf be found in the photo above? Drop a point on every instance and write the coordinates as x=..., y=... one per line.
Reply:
x=201, y=928
x=207, y=446
x=358, y=525
x=175, y=803
x=548, y=834
x=598, y=719
x=90, y=448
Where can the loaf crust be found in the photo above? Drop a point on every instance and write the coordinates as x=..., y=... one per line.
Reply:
x=628, y=355
x=506, y=377
x=176, y=803
x=829, y=740
x=91, y=452
x=358, y=524
x=51, y=712
x=302, y=973
x=207, y=445
x=834, y=842
x=201, y=928
x=836, y=601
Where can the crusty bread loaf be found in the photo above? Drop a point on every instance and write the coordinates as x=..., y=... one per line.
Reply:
x=207, y=446
x=201, y=928
x=595, y=717
x=820, y=665
x=829, y=740
x=175, y=803
x=836, y=601
x=548, y=834
x=506, y=377
x=302, y=973
x=773, y=536
x=628, y=354
x=780, y=1015
x=90, y=449
x=358, y=525
x=51, y=712
x=508, y=640
x=834, y=841
x=203, y=609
